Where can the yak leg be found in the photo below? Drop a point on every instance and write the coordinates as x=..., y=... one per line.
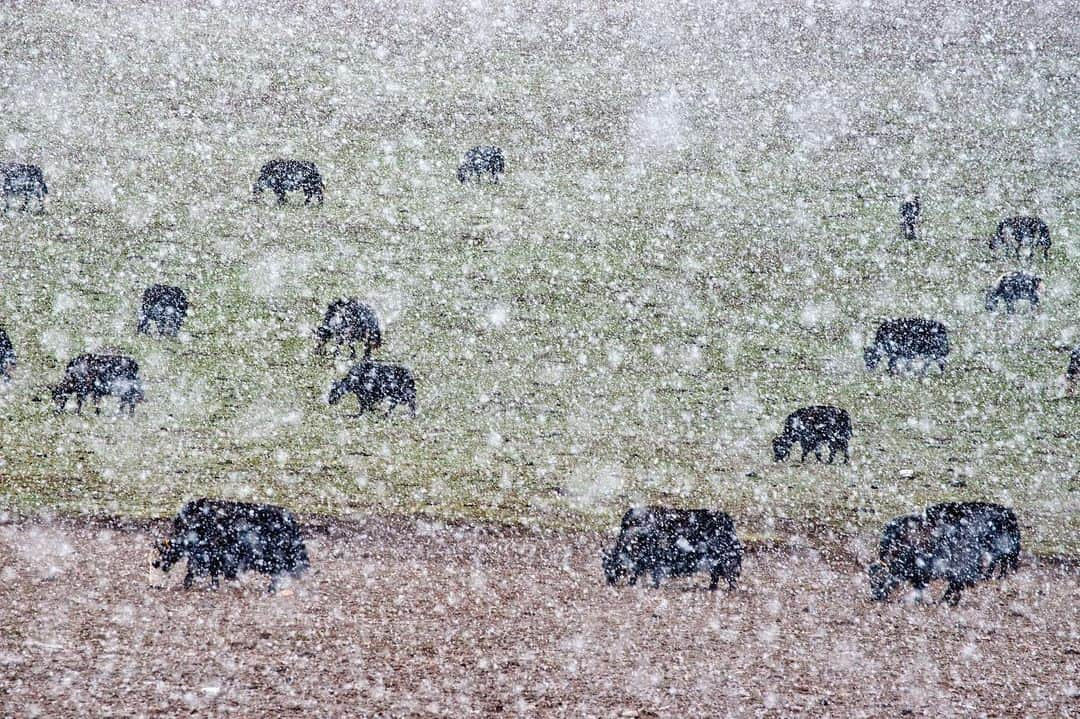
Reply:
x=657, y=575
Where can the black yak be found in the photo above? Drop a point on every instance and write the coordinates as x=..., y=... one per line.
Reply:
x=910, y=218
x=348, y=321
x=220, y=538
x=25, y=181
x=485, y=159
x=909, y=339
x=812, y=427
x=1072, y=372
x=7, y=355
x=96, y=376
x=373, y=382
x=165, y=306
x=1014, y=232
x=1013, y=287
x=283, y=176
x=669, y=542
x=959, y=542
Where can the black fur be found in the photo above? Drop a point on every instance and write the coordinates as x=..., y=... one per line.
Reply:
x=669, y=542
x=7, y=355
x=906, y=340
x=220, y=538
x=96, y=376
x=165, y=306
x=281, y=176
x=1072, y=372
x=485, y=159
x=959, y=542
x=25, y=181
x=1014, y=232
x=910, y=218
x=373, y=382
x=1013, y=287
x=812, y=427
x=348, y=321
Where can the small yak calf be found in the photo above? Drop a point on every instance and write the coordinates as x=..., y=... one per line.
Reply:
x=1013, y=287
x=281, y=176
x=1072, y=372
x=96, y=376
x=910, y=218
x=1015, y=232
x=485, y=159
x=220, y=538
x=7, y=355
x=373, y=382
x=166, y=307
x=959, y=542
x=25, y=181
x=348, y=321
x=812, y=427
x=906, y=340
x=669, y=542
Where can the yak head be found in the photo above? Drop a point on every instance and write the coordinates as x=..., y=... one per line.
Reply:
x=871, y=356
x=169, y=553
x=337, y=391
x=882, y=581
x=614, y=566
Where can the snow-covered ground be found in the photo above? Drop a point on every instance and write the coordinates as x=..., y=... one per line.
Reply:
x=697, y=235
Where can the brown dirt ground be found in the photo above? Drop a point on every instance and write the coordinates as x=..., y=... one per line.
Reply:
x=400, y=617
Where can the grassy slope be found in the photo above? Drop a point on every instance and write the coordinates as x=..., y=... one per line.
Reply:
x=694, y=239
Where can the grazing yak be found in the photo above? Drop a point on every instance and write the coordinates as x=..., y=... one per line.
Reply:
x=96, y=376
x=481, y=160
x=1013, y=287
x=25, y=181
x=281, y=176
x=166, y=307
x=1072, y=372
x=812, y=427
x=669, y=542
x=910, y=218
x=7, y=355
x=906, y=340
x=348, y=321
x=373, y=382
x=959, y=542
x=1015, y=232
x=220, y=538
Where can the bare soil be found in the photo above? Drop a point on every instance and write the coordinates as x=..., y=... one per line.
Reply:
x=400, y=617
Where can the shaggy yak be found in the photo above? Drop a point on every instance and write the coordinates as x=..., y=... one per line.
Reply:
x=669, y=542
x=220, y=538
x=1013, y=287
x=281, y=176
x=373, y=382
x=1072, y=372
x=7, y=355
x=812, y=427
x=959, y=542
x=906, y=340
x=485, y=159
x=1014, y=232
x=25, y=181
x=910, y=218
x=348, y=321
x=166, y=307
x=96, y=376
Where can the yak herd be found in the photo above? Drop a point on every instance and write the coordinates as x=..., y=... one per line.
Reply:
x=958, y=542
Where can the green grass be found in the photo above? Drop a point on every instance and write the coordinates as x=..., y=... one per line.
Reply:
x=697, y=236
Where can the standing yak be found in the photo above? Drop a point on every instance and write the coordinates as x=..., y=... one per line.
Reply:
x=480, y=161
x=166, y=307
x=1014, y=232
x=908, y=339
x=7, y=355
x=23, y=181
x=348, y=321
x=221, y=538
x=812, y=427
x=282, y=176
x=668, y=542
x=96, y=376
x=959, y=542
x=910, y=218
